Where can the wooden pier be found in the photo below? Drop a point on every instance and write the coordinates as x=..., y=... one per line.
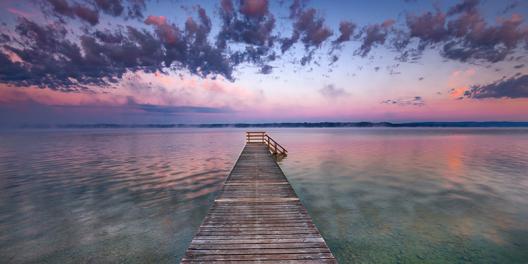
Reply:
x=257, y=217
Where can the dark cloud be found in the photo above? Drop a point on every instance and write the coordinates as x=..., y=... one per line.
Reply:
x=89, y=10
x=254, y=8
x=227, y=7
x=63, y=8
x=520, y=66
x=49, y=59
x=478, y=41
x=111, y=7
x=429, y=28
x=464, y=35
x=465, y=6
x=413, y=101
x=168, y=33
x=373, y=35
x=252, y=27
x=296, y=7
x=4, y=38
x=87, y=14
x=510, y=7
x=181, y=109
x=266, y=69
x=171, y=109
x=514, y=87
x=346, y=30
x=189, y=48
x=57, y=56
x=101, y=58
x=309, y=29
x=332, y=92
x=135, y=8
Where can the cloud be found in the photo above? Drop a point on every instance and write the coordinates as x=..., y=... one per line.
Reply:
x=266, y=69
x=89, y=15
x=309, y=29
x=413, y=101
x=254, y=8
x=510, y=7
x=463, y=7
x=252, y=27
x=373, y=35
x=58, y=55
x=332, y=92
x=168, y=33
x=19, y=12
x=514, y=87
x=51, y=56
x=62, y=7
x=429, y=28
x=181, y=109
x=168, y=109
x=462, y=34
x=89, y=10
x=346, y=30
x=111, y=7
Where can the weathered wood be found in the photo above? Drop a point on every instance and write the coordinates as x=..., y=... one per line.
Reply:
x=261, y=137
x=257, y=217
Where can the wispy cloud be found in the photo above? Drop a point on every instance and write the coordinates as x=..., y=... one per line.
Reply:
x=514, y=87
x=332, y=92
x=412, y=101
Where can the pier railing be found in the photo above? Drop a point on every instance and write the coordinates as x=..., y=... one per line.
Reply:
x=261, y=137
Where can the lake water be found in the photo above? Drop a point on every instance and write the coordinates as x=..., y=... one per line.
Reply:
x=377, y=195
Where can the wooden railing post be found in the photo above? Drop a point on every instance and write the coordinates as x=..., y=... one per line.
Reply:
x=264, y=138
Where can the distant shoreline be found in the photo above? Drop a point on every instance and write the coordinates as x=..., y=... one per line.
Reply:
x=289, y=125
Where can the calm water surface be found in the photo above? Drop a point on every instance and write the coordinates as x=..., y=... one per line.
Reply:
x=377, y=195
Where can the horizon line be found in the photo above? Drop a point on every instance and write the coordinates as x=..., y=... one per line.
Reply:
x=322, y=124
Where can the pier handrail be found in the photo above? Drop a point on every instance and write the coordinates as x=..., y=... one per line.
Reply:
x=263, y=137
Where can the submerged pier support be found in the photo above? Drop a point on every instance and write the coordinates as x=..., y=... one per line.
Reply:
x=257, y=216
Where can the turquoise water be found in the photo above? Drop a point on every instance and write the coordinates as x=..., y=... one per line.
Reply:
x=376, y=195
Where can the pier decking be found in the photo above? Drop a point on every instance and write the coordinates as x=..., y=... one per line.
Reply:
x=257, y=217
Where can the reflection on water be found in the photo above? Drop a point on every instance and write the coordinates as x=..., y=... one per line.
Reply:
x=414, y=195
x=108, y=196
x=377, y=195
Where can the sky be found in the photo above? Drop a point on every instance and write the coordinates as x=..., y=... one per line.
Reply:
x=230, y=61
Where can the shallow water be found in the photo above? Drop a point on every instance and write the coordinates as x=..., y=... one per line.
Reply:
x=377, y=195
x=415, y=195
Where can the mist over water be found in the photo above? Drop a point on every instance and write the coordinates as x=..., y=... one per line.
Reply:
x=377, y=195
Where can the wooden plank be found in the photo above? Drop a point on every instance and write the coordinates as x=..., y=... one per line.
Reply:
x=318, y=261
x=257, y=218
x=292, y=256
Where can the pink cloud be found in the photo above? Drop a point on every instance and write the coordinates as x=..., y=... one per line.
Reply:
x=169, y=33
x=254, y=8
x=156, y=20
x=19, y=12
